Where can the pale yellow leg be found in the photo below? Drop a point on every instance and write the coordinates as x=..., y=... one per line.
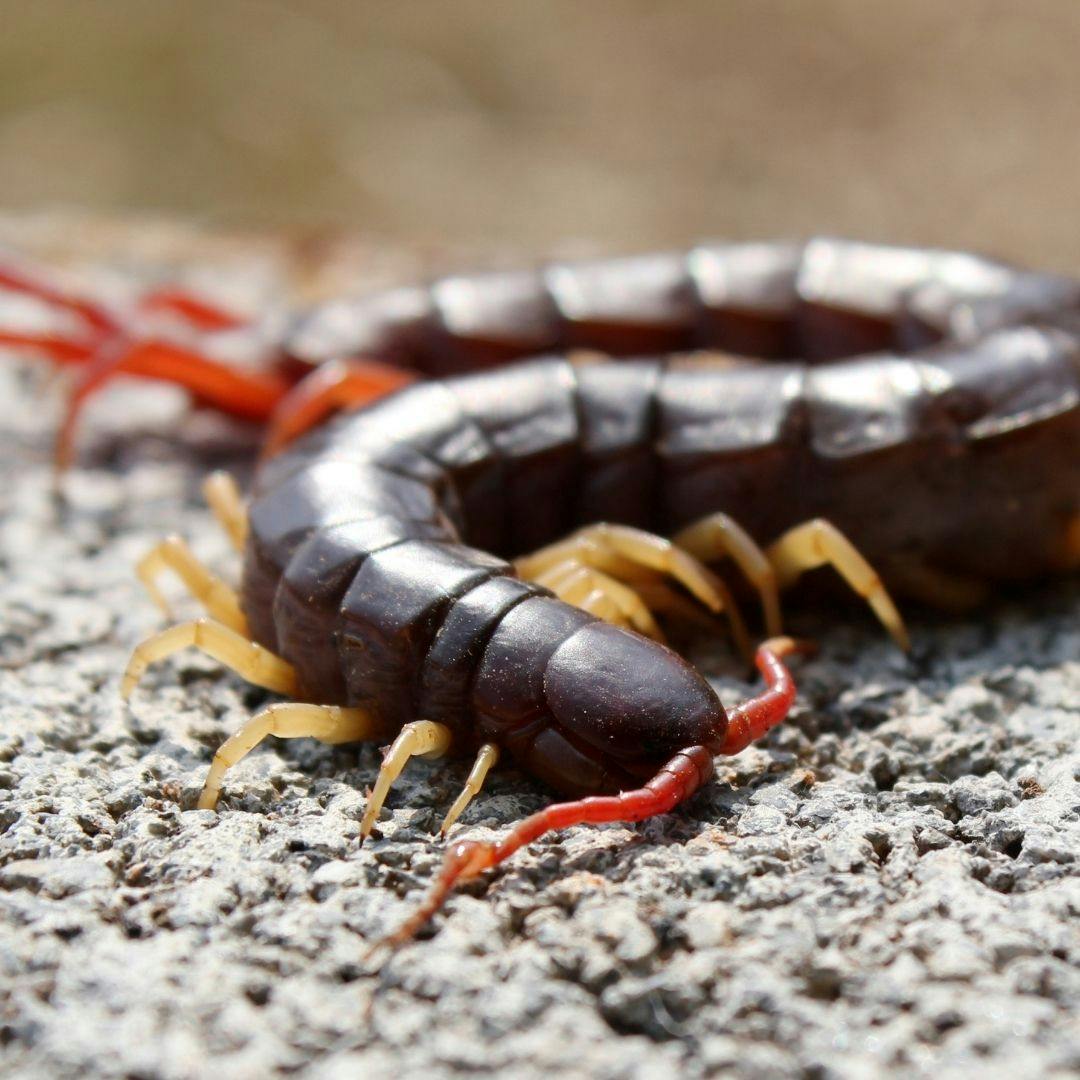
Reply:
x=574, y=587
x=486, y=757
x=820, y=543
x=659, y=597
x=598, y=602
x=227, y=504
x=600, y=594
x=718, y=535
x=246, y=658
x=595, y=544
x=609, y=548
x=327, y=723
x=419, y=739
x=219, y=599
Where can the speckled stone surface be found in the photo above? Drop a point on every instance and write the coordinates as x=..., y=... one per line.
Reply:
x=888, y=884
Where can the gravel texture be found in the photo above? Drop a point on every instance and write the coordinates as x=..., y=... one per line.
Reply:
x=888, y=883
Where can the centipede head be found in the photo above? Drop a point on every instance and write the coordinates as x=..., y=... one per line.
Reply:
x=634, y=699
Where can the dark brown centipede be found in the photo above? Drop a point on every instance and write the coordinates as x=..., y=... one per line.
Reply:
x=921, y=406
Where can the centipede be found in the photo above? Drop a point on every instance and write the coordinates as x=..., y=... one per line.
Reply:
x=483, y=498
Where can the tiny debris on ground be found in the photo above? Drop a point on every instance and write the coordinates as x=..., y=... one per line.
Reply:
x=889, y=883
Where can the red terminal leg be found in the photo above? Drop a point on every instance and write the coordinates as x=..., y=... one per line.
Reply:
x=244, y=394
x=93, y=314
x=63, y=350
x=672, y=785
x=109, y=350
x=335, y=385
x=195, y=311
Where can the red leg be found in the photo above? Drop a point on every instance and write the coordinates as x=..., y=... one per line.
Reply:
x=90, y=312
x=64, y=349
x=749, y=721
x=245, y=394
x=197, y=312
x=338, y=384
x=673, y=784
x=61, y=349
x=108, y=350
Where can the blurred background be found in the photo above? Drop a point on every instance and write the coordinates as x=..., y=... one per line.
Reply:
x=613, y=124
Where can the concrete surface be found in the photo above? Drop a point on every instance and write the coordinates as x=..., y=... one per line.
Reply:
x=889, y=883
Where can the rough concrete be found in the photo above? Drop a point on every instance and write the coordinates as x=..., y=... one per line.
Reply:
x=888, y=883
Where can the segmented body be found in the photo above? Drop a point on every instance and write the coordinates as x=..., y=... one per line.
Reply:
x=812, y=302
x=375, y=562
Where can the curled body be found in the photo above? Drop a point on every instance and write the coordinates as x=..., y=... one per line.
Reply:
x=925, y=403
x=376, y=556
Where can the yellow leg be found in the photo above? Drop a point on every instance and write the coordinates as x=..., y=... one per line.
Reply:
x=820, y=543
x=173, y=554
x=659, y=597
x=617, y=549
x=486, y=757
x=600, y=594
x=246, y=658
x=227, y=504
x=718, y=535
x=421, y=738
x=327, y=723
x=596, y=545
